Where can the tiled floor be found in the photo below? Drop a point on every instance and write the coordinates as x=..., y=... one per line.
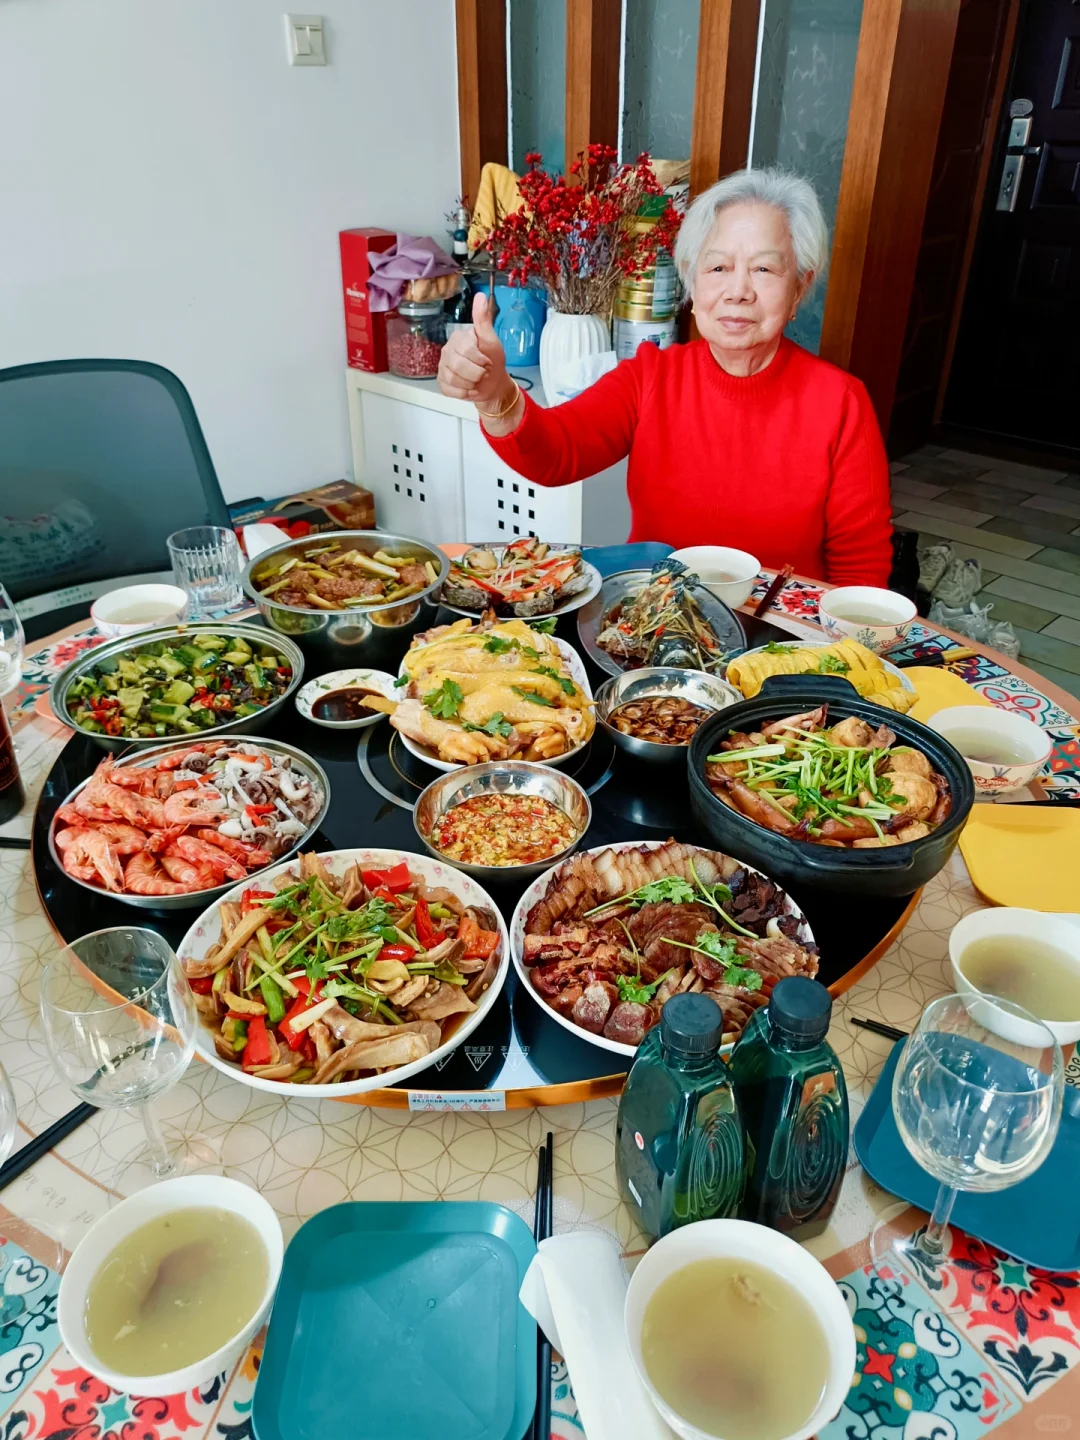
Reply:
x=1022, y=524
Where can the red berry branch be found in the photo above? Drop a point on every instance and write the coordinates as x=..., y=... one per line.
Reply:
x=578, y=236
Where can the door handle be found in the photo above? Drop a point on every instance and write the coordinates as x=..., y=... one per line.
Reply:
x=1011, y=172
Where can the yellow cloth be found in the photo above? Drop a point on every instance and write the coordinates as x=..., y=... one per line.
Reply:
x=496, y=197
x=1024, y=854
x=938, y=689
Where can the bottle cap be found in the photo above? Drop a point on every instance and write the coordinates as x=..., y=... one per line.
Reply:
x=692, y=1024
x=802, y=1007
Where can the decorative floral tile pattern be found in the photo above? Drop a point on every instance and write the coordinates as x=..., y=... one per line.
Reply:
x=1027, y=1321
x=28, y=1336
x=916, y=1377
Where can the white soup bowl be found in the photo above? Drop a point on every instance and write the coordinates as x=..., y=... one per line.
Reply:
x=892, y=612
x=168, y=601
x=739, y=1239
x=709, y=562
x=1034, y=744
x=189, y=1192
x=1056, y=930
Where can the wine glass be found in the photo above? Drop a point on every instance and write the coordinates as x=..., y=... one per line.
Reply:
x=120, y=1023
x=977, y=1097
x=12, y=642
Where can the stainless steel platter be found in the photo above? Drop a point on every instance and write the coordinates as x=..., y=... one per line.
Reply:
x=624, y=585
x=695, y=686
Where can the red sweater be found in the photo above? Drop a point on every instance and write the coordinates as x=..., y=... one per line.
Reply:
x=787, y=463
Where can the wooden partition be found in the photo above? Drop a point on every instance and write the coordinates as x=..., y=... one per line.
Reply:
x=723, y=89
x=593, y=35
x=482, y=94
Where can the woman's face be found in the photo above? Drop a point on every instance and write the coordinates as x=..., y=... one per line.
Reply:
x=746, y=286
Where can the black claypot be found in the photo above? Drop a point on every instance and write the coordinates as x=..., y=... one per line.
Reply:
x=893, y=870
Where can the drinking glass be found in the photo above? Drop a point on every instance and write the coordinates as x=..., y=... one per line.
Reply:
x=977, y=1099
x=15, y=1274
x=12, y=641
x=120, y=1023
x=206, y=562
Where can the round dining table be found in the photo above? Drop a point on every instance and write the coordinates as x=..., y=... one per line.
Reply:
x=985, y=1343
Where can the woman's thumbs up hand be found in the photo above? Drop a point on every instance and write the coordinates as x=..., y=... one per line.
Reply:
x=473, y=366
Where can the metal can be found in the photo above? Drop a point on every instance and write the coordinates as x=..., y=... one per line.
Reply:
x=630, y=333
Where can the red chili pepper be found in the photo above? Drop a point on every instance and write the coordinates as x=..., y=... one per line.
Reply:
x=396, y=952
x=395, y=880
x=254, y=812
x=308, y=1049
x=382, y=893
x=203, y=985
x=226, y=683
x=309, y=996
x=425, y=930
x=479, y=944
x=257, y=1050
x=250, y=897
x=187, y=785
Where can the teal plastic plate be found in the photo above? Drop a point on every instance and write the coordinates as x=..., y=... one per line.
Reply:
x=401, y=1322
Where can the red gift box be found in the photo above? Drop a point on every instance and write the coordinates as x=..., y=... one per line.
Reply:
x=365, y=330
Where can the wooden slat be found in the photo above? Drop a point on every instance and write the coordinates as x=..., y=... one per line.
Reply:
x=901, y=72
x=723, y=89
x=482, y=112
x=593, y=34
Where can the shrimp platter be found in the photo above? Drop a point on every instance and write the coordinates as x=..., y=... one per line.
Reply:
x=188, y=819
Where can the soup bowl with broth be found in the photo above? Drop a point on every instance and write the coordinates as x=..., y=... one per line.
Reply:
x=167, y=1289
x=1026, y=956
x=1004, y=752
x=875, y=618
x=702, y=1285
x=729, y=574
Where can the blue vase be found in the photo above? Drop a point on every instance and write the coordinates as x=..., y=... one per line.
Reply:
x=519, y=322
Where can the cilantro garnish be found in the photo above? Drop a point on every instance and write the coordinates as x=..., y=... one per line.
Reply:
x=494, y=725
x=833, y=665
x=711, y=942
x=742, y=975
x=775, y=648
x=500, y=644
x=634, y=991
x=672, y=888
x=446, y=701
x=532, y=695
x=544, y=627
x=566, y=685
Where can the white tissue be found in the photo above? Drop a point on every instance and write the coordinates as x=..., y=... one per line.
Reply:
x=575, y=1289
x=260, y=537
x=571, y=377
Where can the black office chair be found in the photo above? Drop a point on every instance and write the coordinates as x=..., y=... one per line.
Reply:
x=100, y=460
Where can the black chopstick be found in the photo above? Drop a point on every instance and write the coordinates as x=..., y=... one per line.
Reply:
x=890, y=1032
x=13, y=842
x=41, y=1144
x=541, y=1428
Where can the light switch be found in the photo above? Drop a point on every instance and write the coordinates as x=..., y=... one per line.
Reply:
x=305, y=39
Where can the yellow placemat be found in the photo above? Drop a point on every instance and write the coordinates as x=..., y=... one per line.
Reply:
x=939, y=688
x=1024, y=855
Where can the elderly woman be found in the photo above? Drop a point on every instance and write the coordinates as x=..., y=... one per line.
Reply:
x=740, y=438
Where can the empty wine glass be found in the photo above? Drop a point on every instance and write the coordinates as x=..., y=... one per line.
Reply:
x=12, y=643
x=120, y=1023
x=977, y=1097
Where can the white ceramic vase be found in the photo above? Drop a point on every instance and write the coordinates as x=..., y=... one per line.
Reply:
x=563, y=340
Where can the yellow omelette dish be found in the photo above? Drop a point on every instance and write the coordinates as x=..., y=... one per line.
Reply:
x=847, y=658
x=490, y=692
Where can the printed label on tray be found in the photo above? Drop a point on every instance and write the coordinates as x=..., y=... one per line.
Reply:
x=485, y=1101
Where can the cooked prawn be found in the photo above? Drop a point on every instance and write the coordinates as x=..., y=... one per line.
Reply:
x=124, y=839
x=181, y=869
x=190, y=808
x=210, y=856
x=181, y=757
x=144, y=876
x=87, y=855
x=249, y=855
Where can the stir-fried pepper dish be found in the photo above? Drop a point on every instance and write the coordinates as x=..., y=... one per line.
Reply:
x=325, y=978
x=178, y=687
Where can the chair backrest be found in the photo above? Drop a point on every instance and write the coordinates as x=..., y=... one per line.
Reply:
x=100, y=460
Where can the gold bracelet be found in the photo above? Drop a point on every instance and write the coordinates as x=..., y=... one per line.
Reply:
x=502, y=414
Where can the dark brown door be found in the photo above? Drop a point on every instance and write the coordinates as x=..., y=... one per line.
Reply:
x=1017, y=368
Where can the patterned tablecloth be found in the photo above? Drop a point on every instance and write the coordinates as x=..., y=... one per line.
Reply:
x=989, y=1344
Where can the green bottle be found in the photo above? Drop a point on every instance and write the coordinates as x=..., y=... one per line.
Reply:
x=679, y=1140
x=793, y=1100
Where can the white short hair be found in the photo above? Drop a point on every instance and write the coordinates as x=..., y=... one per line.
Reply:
x=790, y=193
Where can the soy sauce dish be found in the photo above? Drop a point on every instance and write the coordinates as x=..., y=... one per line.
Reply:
x=336, y=700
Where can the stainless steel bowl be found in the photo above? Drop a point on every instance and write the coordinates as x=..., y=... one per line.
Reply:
x=502, y=777
x=128, y=644
x=693, y=685
x=376, y=636
x=196, y=898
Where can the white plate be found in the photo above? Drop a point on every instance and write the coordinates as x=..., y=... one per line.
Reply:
x=826, y=644
x=577, y=674
x=561, y=607
x=536, y=892
x=207, y=929
x=379, y=680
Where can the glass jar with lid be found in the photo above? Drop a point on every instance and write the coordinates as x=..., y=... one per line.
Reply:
x=415, y=336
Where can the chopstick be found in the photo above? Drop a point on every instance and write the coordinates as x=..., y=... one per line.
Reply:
x=13, y=842
x=936, y=657
x=780, y=579
x=878, y=1027
x=41, y=1144
x=541, y=1426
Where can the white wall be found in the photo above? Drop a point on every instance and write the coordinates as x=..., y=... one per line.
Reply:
x=171, y=190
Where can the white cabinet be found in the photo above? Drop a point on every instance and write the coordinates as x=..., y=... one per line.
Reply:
x=434, y=475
